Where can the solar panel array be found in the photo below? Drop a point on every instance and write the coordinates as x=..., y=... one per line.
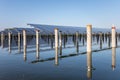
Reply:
x=65, y=29
x=15, y=31
x=49, y=29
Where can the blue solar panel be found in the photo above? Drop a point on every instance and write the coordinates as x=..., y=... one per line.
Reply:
x=49, y=29
x=67, y=29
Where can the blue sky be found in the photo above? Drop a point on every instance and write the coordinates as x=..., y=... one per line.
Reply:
x=100, y=13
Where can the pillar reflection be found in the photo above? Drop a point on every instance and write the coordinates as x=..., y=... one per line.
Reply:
x=56, y=61
x=25, y=57
x=113, y=58
x=89, y=65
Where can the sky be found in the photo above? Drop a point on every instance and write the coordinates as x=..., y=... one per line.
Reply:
x=99, y=13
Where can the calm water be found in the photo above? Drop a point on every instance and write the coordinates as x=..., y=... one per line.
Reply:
x=13, y=66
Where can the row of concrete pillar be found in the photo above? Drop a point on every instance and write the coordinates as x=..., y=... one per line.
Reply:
x=59, y=38
x=89, y=41
x=99, y=38
x=89, y=46
x=89, y=49
x=58, y=44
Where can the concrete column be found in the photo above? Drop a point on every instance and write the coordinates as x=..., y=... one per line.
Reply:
x=100, y=40
x=89, y=38
x=83, y=39
x=60, y=42
x=97, y=37
x=80, y=37
x=24, y=43
x=113, y=36
x=77, y=42
x=2, y=40
x=89, y=50
x=74, y=39
x=116, y=39
x=93, y=37
x=56, y=45
x=86, y=37
x=119, y=36
x=64, y=40
x=9, y=42
x=37, y=44
x=103, y=37
x=51, y=41
x=48, y=39
x=109, y=39
x=113, y=58
x=19, y=42
x=106, y=37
